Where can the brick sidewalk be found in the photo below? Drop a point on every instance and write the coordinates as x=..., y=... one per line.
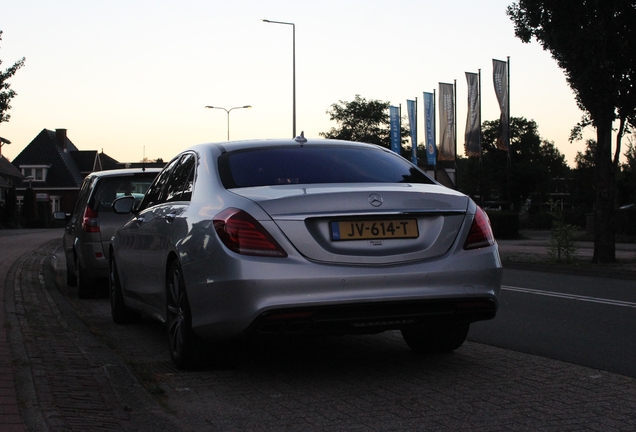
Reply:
x=65, y=377
x=10, y=419
x=16, y=244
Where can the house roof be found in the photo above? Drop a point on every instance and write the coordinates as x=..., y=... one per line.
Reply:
x=89, y=161
x=67, y=166
x=7, y=169
x=52, y=149
x=8, y=173
x=107, y=162
x=86, y=160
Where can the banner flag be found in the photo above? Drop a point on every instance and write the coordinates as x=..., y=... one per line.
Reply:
x=429, y=126
x=396, y=139
x=500, y=80
x=473, y=121
x=411, y=106
x=446, y=122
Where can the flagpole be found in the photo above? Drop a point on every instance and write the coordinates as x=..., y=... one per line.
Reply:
x=510, y=205
x=435, y=131
x=481, y=191
x=414, y=149
x=455, y=130
x=400, y=127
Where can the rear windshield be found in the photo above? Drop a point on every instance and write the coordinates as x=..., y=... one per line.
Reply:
x=110, y=188
x=315, y=164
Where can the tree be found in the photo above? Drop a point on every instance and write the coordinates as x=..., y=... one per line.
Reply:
x=534, y=164
x=9, y=216
x=626, y=182
x=6, y=93
x=583, y=185
x=363, y=121
x=594, y=42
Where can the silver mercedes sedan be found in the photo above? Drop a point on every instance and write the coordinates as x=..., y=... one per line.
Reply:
x=302, y=237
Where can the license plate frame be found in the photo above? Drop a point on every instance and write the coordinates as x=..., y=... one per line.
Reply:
x=370, y=229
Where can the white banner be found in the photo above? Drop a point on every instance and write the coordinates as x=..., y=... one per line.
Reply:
x=446, y=150
x=473, y=121
x=500, y=80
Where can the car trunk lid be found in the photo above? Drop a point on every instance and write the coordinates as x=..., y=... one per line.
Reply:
x=366, y=224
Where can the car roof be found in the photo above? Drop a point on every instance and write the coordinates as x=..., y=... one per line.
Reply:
x=123, y=172
x=229, y=146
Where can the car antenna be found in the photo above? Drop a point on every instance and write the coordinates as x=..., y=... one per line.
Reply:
x=301, y=138
x=143, y=161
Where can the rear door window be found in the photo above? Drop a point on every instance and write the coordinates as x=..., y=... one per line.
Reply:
x=156, y=193
x=179, y=186
x=82, y=197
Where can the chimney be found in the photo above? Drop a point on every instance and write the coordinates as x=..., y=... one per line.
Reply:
x=60, y=135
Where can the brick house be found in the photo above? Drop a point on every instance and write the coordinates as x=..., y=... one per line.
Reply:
x=54, y=168
x=9, y=177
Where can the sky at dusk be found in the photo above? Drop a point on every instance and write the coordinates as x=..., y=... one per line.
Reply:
x=133, y=77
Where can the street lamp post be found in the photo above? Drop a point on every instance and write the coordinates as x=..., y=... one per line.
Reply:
x=293, y=70
x=3, y=141
x=228, y=115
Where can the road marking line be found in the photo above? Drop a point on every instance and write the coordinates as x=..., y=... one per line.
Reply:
x=570, y=296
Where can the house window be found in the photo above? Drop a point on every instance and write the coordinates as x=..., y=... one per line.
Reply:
x=36, y=172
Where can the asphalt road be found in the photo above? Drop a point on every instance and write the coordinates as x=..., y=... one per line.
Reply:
x=588, y=321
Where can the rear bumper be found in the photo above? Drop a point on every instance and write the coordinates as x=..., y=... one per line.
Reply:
x=371, y=318
x=95, y=260
x=230, y=299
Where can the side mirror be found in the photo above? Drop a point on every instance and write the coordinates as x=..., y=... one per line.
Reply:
x=61, y=216
x=124, y=205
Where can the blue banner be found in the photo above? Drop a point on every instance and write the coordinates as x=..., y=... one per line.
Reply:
x=429, y=126
x=411, y=106
x=396, y=141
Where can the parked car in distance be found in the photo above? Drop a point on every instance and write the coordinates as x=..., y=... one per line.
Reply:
x=92, y=223
x=302, y=237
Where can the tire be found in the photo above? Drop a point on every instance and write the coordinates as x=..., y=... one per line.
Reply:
x=435, y=339
x=83, y=282
x=118, y=310
x=183, y=342
x=71, y=278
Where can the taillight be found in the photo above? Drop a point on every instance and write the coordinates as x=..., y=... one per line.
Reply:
x=480, y=234
x=90, y=222
x=243, y=234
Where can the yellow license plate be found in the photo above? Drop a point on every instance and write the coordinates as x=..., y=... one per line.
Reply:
x=374, y=229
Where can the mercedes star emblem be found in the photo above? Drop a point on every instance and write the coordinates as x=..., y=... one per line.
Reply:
x=375, y=200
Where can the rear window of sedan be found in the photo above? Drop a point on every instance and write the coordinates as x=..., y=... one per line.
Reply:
x=314, y=165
